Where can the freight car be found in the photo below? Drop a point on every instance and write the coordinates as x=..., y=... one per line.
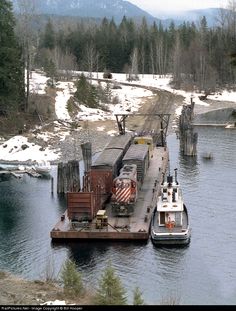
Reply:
x=111, y=156
x=98, y=180
x=125, y=191
x=120, y=142
x=139, y=155
x=126, y=185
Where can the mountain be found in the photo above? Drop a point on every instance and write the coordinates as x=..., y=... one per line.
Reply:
x=211, y=15
x=99, y=9
x=92, y=8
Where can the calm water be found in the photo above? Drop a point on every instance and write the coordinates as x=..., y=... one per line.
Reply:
x=202, y=273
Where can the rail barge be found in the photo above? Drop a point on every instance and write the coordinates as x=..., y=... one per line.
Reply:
x=89, y=213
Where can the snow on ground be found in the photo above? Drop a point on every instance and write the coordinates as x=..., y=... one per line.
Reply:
x=63, y=95
x=38, y=82
x=129, y=100
x=15, y=150
x=91, y=114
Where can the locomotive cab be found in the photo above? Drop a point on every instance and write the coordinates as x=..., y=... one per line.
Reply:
x=124, y=191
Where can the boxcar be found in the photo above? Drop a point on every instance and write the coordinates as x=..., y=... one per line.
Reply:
x=120, y=142
x=139, y=155
x=109, y=159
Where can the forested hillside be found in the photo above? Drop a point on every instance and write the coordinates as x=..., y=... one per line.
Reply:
x=195, y=55
x=11, y=62
x=198, y=57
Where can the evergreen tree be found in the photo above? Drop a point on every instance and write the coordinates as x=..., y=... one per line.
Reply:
x=11, y=66
x=51, y=72
x=110, y=290
x=138, y=300
x=49, y=37
x=86, y=93
x=71, y=279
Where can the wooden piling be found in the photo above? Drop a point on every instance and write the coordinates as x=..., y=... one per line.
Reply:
x=188, y=138
x=68, y=177
x=87, y=155
x=52, y=185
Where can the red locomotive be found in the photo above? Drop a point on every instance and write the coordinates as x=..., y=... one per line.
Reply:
x=125, y=191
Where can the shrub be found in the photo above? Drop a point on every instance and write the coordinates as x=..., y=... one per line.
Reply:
x=137, y=300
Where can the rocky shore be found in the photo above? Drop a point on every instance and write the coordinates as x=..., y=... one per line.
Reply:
x=18, y=291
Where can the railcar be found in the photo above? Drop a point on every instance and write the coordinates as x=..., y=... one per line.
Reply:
x=138, y=154
x=97, y=183
x=126, y=186
x=125, y=191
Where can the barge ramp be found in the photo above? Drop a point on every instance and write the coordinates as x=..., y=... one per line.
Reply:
x=135, y=227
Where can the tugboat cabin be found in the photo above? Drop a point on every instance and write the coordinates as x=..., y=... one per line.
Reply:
x=171, y=209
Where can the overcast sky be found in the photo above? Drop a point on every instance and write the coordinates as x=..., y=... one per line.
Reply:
x=168, y=6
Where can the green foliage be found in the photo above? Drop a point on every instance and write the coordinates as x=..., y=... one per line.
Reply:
x=86, y=93
x=48, y=39
x=51, y=71
x=110, y=290
x=11, y=64
x=91, y=95
x=104, y=94
x=197, y=55
x=72, y=280
x=70, y=106
x=137, y=300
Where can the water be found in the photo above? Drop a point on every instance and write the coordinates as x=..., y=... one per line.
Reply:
x=202, y=273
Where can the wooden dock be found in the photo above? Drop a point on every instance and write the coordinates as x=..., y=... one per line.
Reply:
x=135, y=227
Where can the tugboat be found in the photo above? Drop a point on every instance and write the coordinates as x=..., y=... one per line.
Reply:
x=170, y=222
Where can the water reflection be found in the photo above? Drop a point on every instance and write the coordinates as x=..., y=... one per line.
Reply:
x=86, y=253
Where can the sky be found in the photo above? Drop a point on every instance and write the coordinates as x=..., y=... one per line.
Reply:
x=156, y=6
x=130, y=99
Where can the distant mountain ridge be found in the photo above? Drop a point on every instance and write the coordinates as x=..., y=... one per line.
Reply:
x=117, y=9
x=211, y=15
x=92, y=8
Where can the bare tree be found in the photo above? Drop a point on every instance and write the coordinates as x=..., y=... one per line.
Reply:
x=64, y=61
x=177, y=62
x=161, y=56
x=134, y=65
x=142, y=58
x=231, y=17
x=27, y=14
x=152, y=59
x=90, y=59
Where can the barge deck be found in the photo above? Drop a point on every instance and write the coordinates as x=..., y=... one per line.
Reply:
x=135, y=227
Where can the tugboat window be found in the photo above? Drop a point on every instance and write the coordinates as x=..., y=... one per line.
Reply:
x=162, y=218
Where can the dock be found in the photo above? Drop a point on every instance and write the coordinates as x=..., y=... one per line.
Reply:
x=134, y=227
